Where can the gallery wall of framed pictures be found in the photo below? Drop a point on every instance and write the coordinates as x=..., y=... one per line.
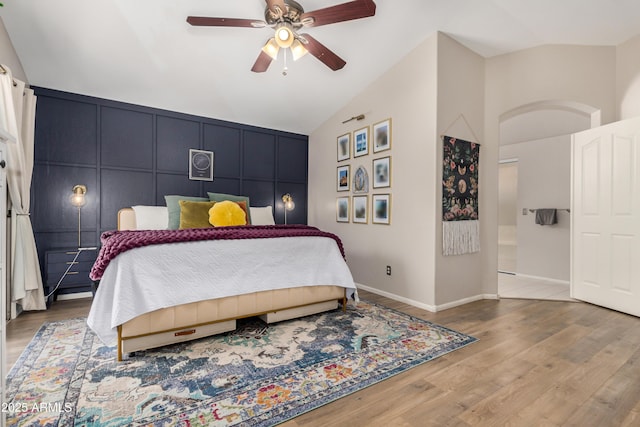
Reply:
x=364, y=165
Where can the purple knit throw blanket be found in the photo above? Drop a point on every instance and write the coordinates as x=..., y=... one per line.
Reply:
x=115, y=242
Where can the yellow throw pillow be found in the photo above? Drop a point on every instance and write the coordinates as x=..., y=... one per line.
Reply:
x=227, y=213
x=194, y=214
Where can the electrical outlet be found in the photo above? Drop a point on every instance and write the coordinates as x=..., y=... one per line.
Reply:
x=388, y=270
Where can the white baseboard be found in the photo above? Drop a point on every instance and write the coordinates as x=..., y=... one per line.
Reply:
x=428, y=307
x=395, y=297
x=464, y=301
x=77, y=295
x=546, y=279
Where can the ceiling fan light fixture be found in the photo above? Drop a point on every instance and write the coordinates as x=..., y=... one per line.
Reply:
x=271, y=48
x=284, y=36
x=286, y=18
x=298, y=50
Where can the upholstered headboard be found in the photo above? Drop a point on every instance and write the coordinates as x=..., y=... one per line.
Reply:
x=126, y=219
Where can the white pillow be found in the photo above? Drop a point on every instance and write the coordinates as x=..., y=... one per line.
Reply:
x=262, y=215
x=151, y=217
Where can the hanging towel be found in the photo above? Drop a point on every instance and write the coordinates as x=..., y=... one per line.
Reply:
x=546, y=216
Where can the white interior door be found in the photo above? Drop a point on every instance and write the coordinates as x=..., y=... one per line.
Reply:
x=605, y=229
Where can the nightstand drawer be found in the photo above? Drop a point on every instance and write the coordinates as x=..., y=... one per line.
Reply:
x=68, y=256
x=72, y=277
x=61, y=267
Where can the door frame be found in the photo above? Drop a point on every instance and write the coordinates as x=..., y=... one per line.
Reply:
x=501, y=162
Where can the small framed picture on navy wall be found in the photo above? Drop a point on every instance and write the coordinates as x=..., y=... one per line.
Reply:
x=200, y=165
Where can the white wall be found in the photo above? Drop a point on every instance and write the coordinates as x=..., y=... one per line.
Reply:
x=628, y=78
x=461, y=114
x=583, y=74
x=544, y=179
x=8, y=55
x=508, y=195
x=407, y=95
x=542, y=121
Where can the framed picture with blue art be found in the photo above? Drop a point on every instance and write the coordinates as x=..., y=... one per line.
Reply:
x=344, y=147
x=342, y=209
x=343, y=178
x=361, y=142
x=381, y=209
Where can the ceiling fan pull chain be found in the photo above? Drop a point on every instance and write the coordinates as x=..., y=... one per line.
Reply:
x=285, y=69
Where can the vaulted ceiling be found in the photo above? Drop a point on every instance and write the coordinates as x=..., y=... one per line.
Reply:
x=144, y=52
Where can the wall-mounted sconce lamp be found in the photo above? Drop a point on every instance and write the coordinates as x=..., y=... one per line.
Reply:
x=289, y=205
x=78, y=200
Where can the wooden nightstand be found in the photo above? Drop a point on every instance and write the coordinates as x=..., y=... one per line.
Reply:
x=77, y=278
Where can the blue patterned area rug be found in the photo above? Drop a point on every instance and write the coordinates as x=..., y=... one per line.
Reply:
x=258, y=375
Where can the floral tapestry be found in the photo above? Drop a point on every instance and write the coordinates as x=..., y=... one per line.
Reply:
x=460, y=196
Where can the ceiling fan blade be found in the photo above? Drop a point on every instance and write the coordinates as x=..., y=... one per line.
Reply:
x=323, y=53
x=342, y=12
x=204, y=21
x=262, y=63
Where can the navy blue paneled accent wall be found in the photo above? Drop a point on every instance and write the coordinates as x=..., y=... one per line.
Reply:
x=127, y=155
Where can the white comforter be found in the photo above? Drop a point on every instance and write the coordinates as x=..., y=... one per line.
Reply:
x=152, y=277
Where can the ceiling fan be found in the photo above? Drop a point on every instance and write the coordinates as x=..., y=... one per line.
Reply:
x=287, y=17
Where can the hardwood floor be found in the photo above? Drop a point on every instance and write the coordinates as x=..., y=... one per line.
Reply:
x=21, y=330
x=537, y=363
x=517, y=286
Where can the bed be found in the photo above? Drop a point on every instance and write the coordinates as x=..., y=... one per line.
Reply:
x=160, y=294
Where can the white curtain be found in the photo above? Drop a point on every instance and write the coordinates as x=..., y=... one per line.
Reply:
x=19, y=110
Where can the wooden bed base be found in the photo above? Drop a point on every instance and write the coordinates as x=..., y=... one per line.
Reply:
x=204, y=318
x=197, y=320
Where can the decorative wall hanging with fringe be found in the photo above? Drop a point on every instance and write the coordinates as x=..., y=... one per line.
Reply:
x=460, y=226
